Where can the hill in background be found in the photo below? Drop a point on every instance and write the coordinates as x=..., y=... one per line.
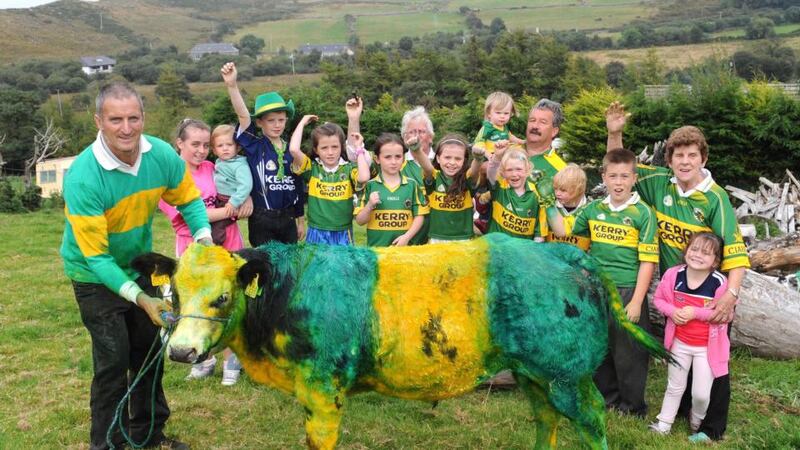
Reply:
x=73, y=28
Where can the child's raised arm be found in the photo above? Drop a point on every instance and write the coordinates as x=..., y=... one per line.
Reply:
x=229, y=75
x=615, y=123
x=354, y=107
x=362, y=157
x=298, y=157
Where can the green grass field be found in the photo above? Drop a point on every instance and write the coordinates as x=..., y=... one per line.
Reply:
x=383, y=21
x=780, y=30
x=46, y=368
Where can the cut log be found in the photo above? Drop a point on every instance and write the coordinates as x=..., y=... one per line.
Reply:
x=767, y=318
x=776, y=259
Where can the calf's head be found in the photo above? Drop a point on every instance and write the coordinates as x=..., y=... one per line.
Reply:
x=209, y=288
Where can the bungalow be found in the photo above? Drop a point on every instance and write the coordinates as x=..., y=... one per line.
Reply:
x=97, y=64
x=211, y=48
x=326, y=50
x=50, y=175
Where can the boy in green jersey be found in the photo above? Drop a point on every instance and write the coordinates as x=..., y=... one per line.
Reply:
x=391, y=203
x=623, y=233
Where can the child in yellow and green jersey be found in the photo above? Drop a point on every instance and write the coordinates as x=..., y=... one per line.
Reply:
x=569, y=187
x=449, y=184
x=515, y=200
x=332, y=181
x=624, y=242
x=391, y=205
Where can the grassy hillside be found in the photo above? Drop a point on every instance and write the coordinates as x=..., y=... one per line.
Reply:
x=76, y=26
x=680, y=56
x=385, y=21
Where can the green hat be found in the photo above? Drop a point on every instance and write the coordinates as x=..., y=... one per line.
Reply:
x=272, y=101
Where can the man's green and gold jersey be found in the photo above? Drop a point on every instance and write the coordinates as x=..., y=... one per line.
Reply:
x=330, y=194
x=451, y=218
x=393, y=215
x=621, y=237
x=548, y=162
x=707, y=207
x=513, y=214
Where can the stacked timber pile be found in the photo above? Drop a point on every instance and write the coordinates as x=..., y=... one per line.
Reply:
x=779, y=202
x=768, y=314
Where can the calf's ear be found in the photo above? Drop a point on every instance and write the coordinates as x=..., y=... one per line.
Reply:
x=152, y=263
x=252, y=269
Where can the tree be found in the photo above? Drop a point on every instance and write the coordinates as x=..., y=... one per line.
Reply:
x=760, y=28
x=172, y=88
x=615, y=73
x=251, y=45
x=47, y=142
x=497, y=26
x=582, y=74
x=792, y=15
x=19, y=116
x=586, y=123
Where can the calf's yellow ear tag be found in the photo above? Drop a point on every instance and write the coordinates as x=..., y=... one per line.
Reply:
x=158, y=280
x=252, y=289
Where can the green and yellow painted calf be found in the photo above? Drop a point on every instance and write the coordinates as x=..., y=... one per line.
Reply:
x=421, y=323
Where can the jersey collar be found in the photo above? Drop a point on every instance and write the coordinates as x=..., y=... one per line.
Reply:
x=341, y=163
x=631, y=201
x=581, y=204
x=703, y=186
x=109, y=162
x=379, y=178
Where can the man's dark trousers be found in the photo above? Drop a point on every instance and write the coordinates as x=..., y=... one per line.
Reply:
x=122, y=334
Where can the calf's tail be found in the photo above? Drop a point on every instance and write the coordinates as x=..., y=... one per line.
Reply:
x=617, y=312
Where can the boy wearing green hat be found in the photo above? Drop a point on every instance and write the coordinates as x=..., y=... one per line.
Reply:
x=277, y=200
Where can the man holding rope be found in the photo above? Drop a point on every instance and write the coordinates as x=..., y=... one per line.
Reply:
x=111, y=193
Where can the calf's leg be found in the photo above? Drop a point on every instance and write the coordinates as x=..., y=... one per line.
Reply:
x=323, y=408
x=584, y=404
x=544, y=415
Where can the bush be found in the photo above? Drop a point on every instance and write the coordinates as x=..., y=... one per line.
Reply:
x=56, y=201
x=31, y=198
x=9, y=200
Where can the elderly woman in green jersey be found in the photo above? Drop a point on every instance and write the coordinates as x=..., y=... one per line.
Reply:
x=687, y=201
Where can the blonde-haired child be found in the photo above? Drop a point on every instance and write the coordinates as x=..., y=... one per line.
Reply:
x=232, y=178
x=515, y=201
x=497, y=112
x=569, y=187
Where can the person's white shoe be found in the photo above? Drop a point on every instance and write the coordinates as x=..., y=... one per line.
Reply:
x=203, y=369
x=660, y=427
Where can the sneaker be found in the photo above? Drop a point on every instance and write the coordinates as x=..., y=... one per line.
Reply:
x=230, y=376
x=203, y=369
x=699, y=438
x=660, y=427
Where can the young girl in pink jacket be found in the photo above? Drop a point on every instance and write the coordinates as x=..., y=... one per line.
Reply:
x=686, y=295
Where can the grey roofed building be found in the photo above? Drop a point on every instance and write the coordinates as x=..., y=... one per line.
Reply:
x=97, y=64
x=218, y=48
x=326, y=50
